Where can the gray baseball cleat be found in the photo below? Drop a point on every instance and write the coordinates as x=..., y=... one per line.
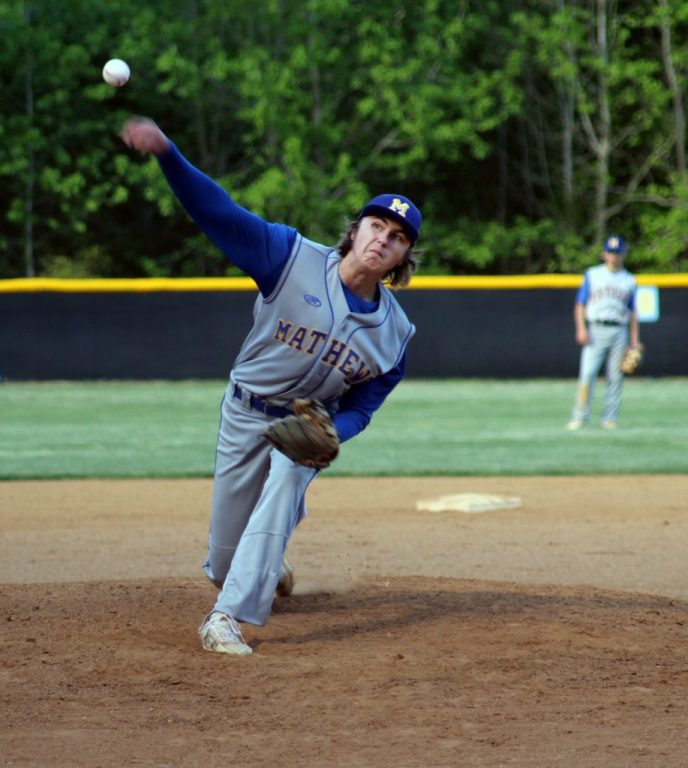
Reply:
x=285, y=585
x=220, y=633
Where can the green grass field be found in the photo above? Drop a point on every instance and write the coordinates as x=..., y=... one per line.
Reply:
x=449, y=427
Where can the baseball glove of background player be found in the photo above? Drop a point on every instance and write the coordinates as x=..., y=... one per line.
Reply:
x=632, y=357
x=307, y=436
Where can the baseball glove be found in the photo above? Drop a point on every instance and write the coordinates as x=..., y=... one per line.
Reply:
x=632, y=357
x=307, y=436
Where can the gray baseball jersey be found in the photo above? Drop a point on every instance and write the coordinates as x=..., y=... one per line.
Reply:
x=306, y=342
x=608, y=296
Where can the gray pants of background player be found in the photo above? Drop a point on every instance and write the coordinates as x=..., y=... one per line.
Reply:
x=258, y=500
x=607, y=342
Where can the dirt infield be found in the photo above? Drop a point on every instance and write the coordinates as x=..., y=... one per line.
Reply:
x=554, y=634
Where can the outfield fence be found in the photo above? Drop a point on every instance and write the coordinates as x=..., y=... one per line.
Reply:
x=467, y=327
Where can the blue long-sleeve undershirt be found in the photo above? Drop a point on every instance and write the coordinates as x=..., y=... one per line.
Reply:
x=261, y=249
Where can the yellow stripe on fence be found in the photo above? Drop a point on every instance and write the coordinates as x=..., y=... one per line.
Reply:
x=512, y=282
x=127, y=285
x=421, y=282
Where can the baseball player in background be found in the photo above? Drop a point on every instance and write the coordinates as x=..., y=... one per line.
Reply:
x=326, y=327
x=605, y=317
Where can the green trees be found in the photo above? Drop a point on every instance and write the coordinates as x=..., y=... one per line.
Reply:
x=525, y=129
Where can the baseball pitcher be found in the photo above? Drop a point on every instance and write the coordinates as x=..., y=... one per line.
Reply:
x=327, y=345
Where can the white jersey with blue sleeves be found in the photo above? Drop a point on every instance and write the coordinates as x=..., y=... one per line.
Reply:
x=608, y=296
x=306, y=341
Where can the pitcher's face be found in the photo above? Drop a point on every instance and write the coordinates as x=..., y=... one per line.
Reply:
x=379, y=244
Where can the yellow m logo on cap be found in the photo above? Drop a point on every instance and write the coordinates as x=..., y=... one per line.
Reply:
x=398, y=207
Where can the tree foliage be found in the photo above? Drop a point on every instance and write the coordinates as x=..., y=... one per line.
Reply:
x=526, y=130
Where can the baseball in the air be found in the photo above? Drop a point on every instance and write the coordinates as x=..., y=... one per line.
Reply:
x=116, y=72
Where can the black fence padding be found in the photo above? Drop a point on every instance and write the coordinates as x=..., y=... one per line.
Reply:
x=519, y=333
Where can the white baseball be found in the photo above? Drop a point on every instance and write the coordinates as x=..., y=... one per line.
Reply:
x=116, y=72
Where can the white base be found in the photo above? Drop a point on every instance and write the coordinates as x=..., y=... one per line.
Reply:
x=468, y=502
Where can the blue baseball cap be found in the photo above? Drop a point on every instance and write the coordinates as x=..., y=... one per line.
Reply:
x=395, y=207
x=615, y=244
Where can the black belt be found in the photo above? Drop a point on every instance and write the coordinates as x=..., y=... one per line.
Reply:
x=260, y=405
x=605, y=322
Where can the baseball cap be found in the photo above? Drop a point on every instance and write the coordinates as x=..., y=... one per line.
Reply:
x=615, y=244
x=395, y=207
